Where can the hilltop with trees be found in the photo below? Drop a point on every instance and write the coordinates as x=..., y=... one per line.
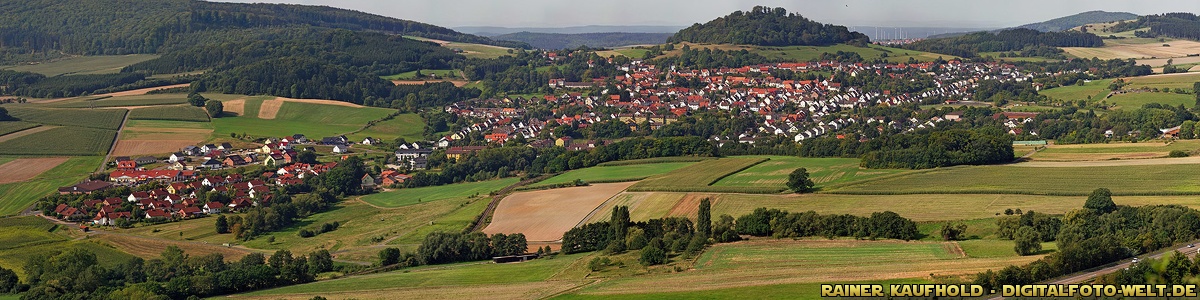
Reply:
x=764, y=26
x=1041, y=43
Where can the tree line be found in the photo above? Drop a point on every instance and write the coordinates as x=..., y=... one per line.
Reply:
x=970, y=45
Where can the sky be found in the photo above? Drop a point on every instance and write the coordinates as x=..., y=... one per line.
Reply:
x=914, y=13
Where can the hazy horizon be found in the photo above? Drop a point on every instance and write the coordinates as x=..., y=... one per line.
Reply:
x=886, y=13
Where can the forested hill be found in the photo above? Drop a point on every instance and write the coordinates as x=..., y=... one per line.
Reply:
x=153, y=26
x=1176, y=25
x=557, y=41
x=765, y=26
x=970, y=45
x=1080, y=19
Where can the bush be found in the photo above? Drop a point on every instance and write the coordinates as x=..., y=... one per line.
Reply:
x=652, y=255
x=1178, y=153
x=305, y=233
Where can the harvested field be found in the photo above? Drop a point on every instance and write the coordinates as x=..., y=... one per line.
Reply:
x=269, y=108
x=143, y=147
x=546, y=215
x=144, y=91
x=7, y=137
x=642, y=206
x=235, y=106
x=152, y=248
x=1113, y=163
x=1137, y=48
x=23, y=169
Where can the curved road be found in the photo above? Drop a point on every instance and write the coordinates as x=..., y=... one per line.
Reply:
x=1084, y=277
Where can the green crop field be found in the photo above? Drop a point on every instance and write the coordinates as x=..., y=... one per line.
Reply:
x=1136, y=100
x=138, y=100
x=410, y=196
x=642, y=206
x=94, y=118
x=170, y=113
x=19, y=195
x=1095, y=90
x=614, y=173
x=408, y=126
x=435, y=277
x=27, y=231
x=822, y=171
x=61, y=141
x=1122, y=180
x=1172, y=81
x=105, y=64
x=698, y=177
x=14, y=126
x=922, y=208
x=413, y=74
x=313, y=120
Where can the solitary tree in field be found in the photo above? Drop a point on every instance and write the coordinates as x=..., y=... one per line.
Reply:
x=798, y=181
x=214, y=108
x=953, y=232
x=222, y=225
x=1101, y=201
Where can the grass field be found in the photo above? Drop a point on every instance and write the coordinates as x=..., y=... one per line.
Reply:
x=699, y=176
x=18, y=196
x=413, y=74
x=409, y=126
x=996, y=55
x=432, y=280
x=1123, y=180
x=1096, y=152
x=614, y=173
x=470, y=50
x=1172, y=81
x=27, y=231
x=14, y=126
x=635, y=53
x=996, y=248
x=1136, y=100
x=94, y=118
x=139, y=100
x=79, y=141
x=14, y=259
x=313, y=120
x=1095, y=90
x=643, y=206
x=170, y=113
x=776, y=291
x=410, y=196
x=105, y=64
x=822, y=171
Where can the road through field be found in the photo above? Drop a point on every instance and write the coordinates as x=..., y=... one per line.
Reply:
x=1083, y=277
x=1111, y=163
x=113, y=147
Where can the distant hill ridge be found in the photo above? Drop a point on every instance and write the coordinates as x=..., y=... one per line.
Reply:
x=764, y=26
x=594, y=40
x=1063, y=23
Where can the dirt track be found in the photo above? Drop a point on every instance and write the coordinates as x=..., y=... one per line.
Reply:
x=25, y=168
x=1111, y=163
x=543, y=216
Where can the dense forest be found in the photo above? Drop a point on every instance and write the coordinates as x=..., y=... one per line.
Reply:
x=970, y=45
x=129, y=26
x=595, y=40
x=1175, y=25
x=1080, y=19
x=766, y=26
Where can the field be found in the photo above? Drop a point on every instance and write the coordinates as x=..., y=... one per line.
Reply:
x=1171, y=81
x=778, y=262
x=470, y=50
x=1110, y=151
x=14, y=126
x=20, y=195
x=643, y=206
x=125, y=101
x=408, y=126
x=23, y=169
x=698, y=177
x=635, y=53
x=151, y=248
x=614, y=173
x=410, y=196
x=1138, y=48
x=15, y=259
x=1123, y=180
x=105, y=64
x=1136, y=100
x=1095, y=90
x=411, y=75
x=311, y=119
x=822, y=171
x=544, y=216
x=61, y=141
x=811, y=53
x=171, y=113
x=533, y=279
x=98, y=118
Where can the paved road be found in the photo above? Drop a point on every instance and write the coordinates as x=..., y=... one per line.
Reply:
x=1083, y=277
x=114, y=143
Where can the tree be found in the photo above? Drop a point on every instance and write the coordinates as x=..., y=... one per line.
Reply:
x=9, y=283
x=222, y=225
x=320, y=262
x=214, y=108
x=4, y=114
x=704, y=218
x=798, y=181
x=307, y=157
x=1028, y=241
x=653, y=255
x=953, y=232
x=195, y=99
x=1196, y=90
x=389, y=256
x=1100, y=201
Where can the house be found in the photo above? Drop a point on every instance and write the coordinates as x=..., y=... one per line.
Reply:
x=207, y=148
x=145, y=160
x=85, y=187
x=370, y=141
x=124, y=163
x=191, y=151
x=212, y=164
x=368, y=182
x=419, y=163
x=458, y=152
x=157, y=213
x=234, y=160
x=407, y=154
x=954, y=116
x=225, y=147
x=562, y=141
x=341, y=149
x=336, y=140
x=176, y=157
x=213, y=208
x=137, y=196
x=1170, y=133
x=299, y=138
